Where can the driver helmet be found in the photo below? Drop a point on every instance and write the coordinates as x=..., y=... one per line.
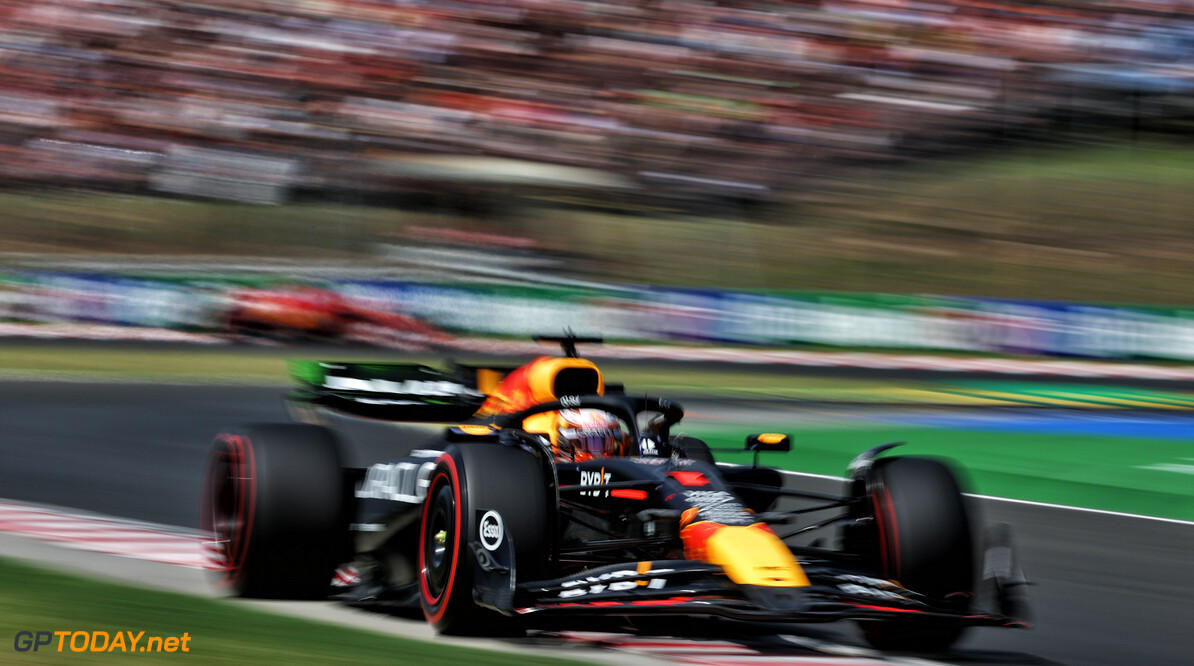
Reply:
x=585, y=434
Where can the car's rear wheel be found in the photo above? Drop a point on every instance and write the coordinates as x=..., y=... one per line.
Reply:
x=272, y=510
x=468, y=485
x=922, y=537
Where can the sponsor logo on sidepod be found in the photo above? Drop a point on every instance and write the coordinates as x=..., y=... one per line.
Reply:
x=399, y=482
x=598, y=478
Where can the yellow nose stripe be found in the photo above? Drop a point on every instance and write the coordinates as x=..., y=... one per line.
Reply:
x=754, y=555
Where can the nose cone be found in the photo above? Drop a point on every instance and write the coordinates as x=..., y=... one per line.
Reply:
x=749, y=554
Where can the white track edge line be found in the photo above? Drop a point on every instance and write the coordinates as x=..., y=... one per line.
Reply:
x=1010, y=500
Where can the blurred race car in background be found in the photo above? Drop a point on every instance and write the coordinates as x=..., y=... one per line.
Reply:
x=498, y=519
x=304, y=312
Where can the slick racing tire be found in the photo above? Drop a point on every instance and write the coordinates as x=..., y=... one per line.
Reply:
x=922, y=539
x=272, y=512
x=467, y=486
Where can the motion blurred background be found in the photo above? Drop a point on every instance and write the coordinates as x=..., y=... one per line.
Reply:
x=1030, y=155
x=441, y=177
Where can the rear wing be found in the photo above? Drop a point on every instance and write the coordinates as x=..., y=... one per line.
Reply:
x=392, y=391
x=412, y=392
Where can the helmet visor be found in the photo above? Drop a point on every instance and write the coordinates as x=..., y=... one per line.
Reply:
x=597, y=442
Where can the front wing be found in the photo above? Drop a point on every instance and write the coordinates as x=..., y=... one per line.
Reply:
x=684, y=587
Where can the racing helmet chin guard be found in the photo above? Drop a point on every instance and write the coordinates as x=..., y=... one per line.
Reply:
x=585, y=434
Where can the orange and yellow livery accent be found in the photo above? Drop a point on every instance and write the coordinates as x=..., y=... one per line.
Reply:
x=543, y=380
x=749, y=554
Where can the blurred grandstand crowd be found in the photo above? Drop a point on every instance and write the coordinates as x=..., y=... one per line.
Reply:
x=264, y=100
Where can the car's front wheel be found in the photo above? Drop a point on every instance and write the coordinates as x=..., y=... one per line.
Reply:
x=921, y=537
x=479, y=494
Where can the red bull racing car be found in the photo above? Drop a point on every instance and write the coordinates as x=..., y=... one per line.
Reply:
x=551, y=494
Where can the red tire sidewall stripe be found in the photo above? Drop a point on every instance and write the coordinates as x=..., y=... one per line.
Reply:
x=889, y=532
x=434, y=613
x=237, y=454
x=247, y=507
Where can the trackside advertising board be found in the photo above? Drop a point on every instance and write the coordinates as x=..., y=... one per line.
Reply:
x=774, y=319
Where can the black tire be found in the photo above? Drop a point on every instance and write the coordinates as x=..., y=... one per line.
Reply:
x=923, y=539
x=272, y=513
x=467, y=481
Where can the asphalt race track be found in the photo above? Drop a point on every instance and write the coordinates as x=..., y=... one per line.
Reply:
x=1110, y=589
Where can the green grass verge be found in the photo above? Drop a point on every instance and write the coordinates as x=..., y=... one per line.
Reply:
x=33, y=599
x=1126, y=474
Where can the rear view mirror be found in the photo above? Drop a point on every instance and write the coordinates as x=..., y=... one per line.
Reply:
x=769, y=441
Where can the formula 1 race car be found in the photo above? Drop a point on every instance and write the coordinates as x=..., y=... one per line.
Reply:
x=554, y=494
x=296, y=311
